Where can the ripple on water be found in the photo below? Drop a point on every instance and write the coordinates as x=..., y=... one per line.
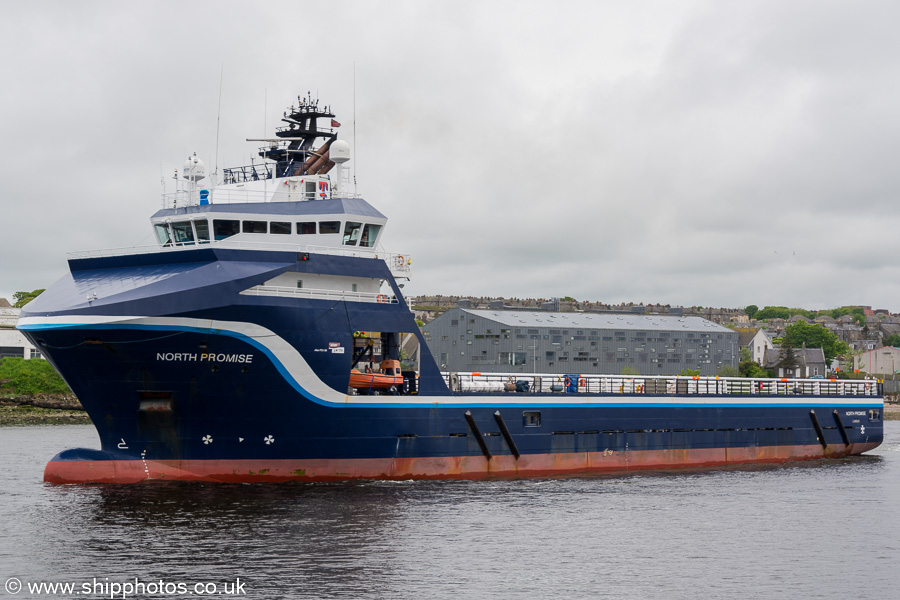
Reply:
x=823, y=529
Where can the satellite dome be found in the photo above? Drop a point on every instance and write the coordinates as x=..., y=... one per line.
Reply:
x=339, y=151
x=194, y=169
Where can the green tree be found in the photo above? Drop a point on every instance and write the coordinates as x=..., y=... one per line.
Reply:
x=23, y=298
x=783, y=312
x=629, y=371
x=892, y=340
x=751, y=310
x=774, y=312
x=746, y=355
x=727, y=371
x=815, y=336
x=751, y=369
x=690, y=372
x=787, y=357
x=857, y=312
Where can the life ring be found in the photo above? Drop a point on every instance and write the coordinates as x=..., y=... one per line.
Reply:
x=568, y=381
x=400, y=260
x=868, y=386
x=381, y=298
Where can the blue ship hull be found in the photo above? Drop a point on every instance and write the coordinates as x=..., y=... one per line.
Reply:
x=232, y=387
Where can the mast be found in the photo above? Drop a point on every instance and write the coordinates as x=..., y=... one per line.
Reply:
x=297, y=156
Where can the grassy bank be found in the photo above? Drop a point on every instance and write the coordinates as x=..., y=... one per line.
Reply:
x=33, y=393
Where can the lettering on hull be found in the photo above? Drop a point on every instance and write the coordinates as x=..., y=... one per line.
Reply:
x=203, y=357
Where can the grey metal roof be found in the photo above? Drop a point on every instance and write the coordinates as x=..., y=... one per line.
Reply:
x=517, y=318
x=328, y=206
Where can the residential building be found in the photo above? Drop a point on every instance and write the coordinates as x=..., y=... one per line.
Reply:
x=798, y=363
x=760, y=344
x=880, y=361
x=12, y=342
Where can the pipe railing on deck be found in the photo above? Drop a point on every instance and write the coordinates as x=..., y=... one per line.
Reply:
x=656, y=385
x=320, y=294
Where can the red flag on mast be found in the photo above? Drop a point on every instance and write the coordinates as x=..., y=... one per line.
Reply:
x=335, y=123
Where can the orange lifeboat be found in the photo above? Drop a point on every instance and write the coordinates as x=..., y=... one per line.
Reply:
x=386, y=378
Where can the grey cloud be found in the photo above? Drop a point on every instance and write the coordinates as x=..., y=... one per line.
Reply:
x=692, y=153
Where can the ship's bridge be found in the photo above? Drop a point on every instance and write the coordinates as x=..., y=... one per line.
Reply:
x=346, y=223
x=289, y=200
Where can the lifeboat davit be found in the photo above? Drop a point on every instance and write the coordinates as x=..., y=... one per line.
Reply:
x=386, y=378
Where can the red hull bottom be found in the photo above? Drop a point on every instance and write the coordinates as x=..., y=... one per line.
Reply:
x=453, y=467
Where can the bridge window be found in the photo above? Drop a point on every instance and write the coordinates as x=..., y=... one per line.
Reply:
x=279, y=227
x=308, y=228
x=255, y=227
x=182, y=232
x=329, y=226
x=223, y=228
x=351, y=233
x=202, y=228
x=370, y=232
x=162, y=233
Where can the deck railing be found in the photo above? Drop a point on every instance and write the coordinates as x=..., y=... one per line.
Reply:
x=656, y=385
x=320, y=294
x=238, y=195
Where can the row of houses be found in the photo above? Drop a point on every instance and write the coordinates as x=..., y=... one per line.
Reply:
x=876, y=360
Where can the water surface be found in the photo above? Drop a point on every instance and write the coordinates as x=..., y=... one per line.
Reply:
x=826, y=529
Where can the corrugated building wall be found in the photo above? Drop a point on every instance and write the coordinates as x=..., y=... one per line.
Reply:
x=585, y=343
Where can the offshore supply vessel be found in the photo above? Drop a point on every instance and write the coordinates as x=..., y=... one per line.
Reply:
x=261, y=338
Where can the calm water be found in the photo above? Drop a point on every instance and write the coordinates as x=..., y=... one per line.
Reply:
x=829, y=529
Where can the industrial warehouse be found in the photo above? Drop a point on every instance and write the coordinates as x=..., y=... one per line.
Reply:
x=511, y=341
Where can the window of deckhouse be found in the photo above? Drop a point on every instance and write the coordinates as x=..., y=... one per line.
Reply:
x=351, y=233
x=162, y=234
x=254, y=227
x=224, y=228
x=202, y=227
x=183, y=232
x=329, y=226
x=369, y=234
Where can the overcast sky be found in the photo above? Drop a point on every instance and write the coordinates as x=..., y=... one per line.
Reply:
x=690, y=153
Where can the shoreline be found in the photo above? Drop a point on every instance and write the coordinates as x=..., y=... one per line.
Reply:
x=891, y=412
x=43, y=409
